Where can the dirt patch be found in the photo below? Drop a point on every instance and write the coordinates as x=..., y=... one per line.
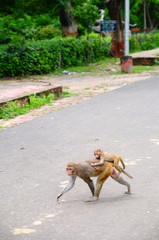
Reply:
x=83, y=86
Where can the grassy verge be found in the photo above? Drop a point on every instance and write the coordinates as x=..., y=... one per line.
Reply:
x=107, y=65
x=14, y=108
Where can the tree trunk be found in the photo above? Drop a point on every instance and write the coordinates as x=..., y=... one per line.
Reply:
x=69, y=27
x=145, y=24
x=117, y=46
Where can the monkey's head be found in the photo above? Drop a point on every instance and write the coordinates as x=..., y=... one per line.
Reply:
x=71, y=168
x=97, y=153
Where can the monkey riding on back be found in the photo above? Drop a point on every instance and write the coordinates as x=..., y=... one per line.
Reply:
x=85, y=171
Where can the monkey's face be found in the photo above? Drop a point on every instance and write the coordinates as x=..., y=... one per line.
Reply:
x=69, y=171
x=97, y=155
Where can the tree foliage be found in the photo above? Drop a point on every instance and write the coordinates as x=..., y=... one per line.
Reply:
x=35, y=7
x=137, y=13
x=86, y=14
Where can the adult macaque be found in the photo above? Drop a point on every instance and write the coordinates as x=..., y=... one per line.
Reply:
x=110, y=157
x=84, y=170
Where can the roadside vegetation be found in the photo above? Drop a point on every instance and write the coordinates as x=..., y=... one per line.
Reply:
x=15, y=108
x=18, y=107
x=33, y=38
x=105, y=66
x=33, y=41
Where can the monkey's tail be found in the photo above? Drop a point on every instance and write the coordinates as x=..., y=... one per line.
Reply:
x=127, y=174
x=122, y=163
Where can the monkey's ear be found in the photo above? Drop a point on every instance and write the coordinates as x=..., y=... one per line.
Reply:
x=76, y=165
x=95, y=151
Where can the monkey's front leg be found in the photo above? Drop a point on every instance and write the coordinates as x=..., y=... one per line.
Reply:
x=91, y=186
x=68, y=187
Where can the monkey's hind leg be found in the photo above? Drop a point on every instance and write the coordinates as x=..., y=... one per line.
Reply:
x=121, y=181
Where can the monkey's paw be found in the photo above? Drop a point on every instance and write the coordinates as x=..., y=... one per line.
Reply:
x=126, y=192
x=58, y=197
x=91, y=199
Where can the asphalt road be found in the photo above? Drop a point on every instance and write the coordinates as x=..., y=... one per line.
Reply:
x=34, y=156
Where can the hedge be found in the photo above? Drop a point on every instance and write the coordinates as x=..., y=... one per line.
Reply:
x=45, y=56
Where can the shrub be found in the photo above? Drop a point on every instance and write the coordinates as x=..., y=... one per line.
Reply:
x=43, y=20
x=5, y=35
x=48, y=32
x=134, y=44
x=45, y=56
x=142, y=41
x=27, y=27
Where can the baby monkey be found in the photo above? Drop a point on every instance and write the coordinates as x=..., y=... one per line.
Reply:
x=109, y=157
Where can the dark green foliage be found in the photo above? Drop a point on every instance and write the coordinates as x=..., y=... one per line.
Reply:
x=45, y=56
x=86, y=14
x=39, y=27
x=48, y=32
x=137, y=13
x=142, y=41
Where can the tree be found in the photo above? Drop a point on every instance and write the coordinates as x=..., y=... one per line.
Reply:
x=151, y=16
x=114, y=9
x=76, y=11
x=86, y=14
x=150, y=12
x=69, y=26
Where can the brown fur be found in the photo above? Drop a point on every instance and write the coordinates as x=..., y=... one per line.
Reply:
x=110, y=157
x=85, y=171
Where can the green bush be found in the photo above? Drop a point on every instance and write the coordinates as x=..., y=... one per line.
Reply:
x=142, y=41
x=48, y=32
x=43, y=20
x=134, y=44
x=27, y=27
x=5, y=35
x=45, y=56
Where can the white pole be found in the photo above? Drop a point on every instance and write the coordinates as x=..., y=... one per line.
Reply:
x=127, y=7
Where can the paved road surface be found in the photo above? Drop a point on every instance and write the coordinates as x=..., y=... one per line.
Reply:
x=33, y=159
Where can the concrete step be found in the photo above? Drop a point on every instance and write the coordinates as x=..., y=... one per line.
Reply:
x=10, y=91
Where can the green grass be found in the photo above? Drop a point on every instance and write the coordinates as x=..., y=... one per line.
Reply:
x=140, y=69
x=136, y=69
x=68, y=94
x=100, y=87
x=91, y=68
x=101, y=67
x=13, y=108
